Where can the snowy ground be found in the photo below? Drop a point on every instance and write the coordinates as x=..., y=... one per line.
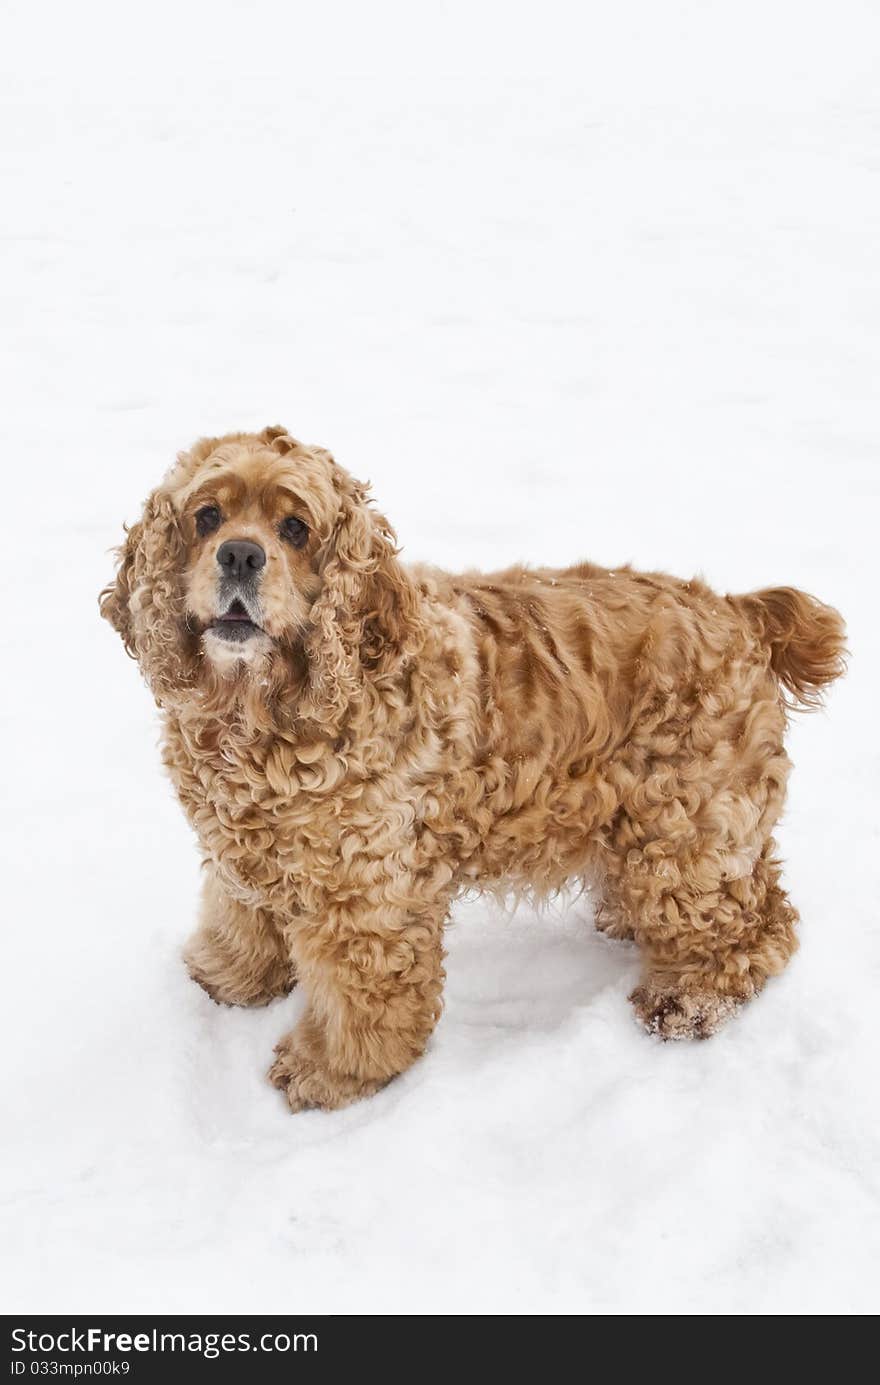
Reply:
x=627, y=311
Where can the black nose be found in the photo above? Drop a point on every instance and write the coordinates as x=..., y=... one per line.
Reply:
x=240, y=557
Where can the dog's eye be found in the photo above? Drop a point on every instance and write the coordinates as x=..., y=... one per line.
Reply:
x=207, y=520
x=294, y=530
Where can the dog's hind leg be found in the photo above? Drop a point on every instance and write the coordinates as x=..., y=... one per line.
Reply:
x=691, y=869
x=689, y=860
x=237, y=953
x=709, y=944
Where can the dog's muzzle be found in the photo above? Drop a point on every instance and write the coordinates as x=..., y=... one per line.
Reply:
x=241, y=563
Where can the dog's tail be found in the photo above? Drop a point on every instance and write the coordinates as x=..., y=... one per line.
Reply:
x=805, y=637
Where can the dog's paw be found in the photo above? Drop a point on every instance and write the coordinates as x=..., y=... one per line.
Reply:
x=673, y=1012
x=231, y=981
x=307, y=1081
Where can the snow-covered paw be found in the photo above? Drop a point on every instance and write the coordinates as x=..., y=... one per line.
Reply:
x=308, y=1082
x=672, y=1012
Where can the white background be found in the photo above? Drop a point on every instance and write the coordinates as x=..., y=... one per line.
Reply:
x=563, y=286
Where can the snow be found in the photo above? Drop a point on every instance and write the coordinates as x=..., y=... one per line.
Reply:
x=626, y=308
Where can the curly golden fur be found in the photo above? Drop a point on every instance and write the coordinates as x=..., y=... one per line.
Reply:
x=358, y=741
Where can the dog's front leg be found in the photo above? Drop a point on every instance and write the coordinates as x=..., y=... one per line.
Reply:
x=238, y=952
x=374, y=979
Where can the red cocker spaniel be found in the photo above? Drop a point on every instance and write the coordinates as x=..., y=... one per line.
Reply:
x=356, y=741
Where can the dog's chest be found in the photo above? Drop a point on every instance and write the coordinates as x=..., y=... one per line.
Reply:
x=256, y=806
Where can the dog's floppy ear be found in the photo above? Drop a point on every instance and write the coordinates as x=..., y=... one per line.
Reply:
x=367, y=609
x=145, y=603
x=114, y=599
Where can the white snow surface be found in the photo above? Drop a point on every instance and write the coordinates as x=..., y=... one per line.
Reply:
x=562, y=284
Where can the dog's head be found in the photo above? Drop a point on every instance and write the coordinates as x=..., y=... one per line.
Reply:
x=255, y=558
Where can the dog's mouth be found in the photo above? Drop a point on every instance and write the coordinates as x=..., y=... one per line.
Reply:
x=235, y=624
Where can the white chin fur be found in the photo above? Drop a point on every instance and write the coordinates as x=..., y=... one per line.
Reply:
x=228, y=655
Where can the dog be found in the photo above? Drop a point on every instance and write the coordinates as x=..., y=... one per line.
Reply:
x=356, y=741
